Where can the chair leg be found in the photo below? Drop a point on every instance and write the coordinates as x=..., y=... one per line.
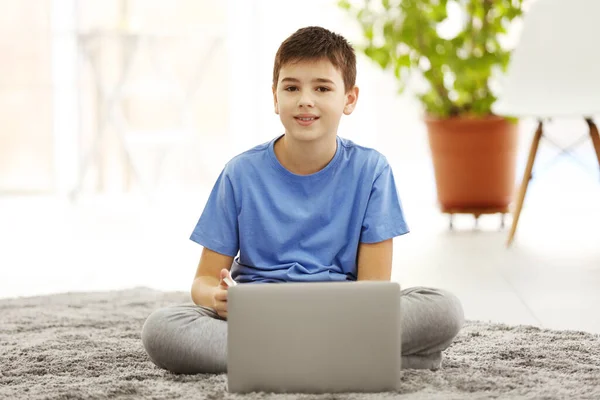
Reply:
x=595, y=137
x=525, y=181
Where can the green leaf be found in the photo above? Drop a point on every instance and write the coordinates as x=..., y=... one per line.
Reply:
x=388, y=29
x=379, y=55
x=397, y=71
x=344, y=4
x=439, y=12
x=404, y=60
x=368, y=32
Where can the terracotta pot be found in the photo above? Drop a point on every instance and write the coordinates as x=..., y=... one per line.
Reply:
x=474, y=162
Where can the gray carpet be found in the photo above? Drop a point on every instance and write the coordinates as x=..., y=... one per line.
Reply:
x=87, y=346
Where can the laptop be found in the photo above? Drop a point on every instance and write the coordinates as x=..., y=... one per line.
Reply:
x=319, y=337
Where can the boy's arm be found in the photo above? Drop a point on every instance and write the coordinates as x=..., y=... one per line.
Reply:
x=207, y=278
x=375, y=261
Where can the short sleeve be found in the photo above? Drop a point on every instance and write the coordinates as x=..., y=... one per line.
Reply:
x=384, y=216
x=217, y=228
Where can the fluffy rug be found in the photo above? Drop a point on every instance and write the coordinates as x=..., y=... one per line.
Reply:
x=87, y=346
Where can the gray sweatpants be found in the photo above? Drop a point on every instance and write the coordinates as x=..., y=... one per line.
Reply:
x=192, y=339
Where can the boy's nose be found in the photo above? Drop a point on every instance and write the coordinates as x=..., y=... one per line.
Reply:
x=306, y=100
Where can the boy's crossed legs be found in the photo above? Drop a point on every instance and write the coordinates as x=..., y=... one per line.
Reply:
x=192, y=339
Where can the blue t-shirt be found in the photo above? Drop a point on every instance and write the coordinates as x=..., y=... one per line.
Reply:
x=299, y=228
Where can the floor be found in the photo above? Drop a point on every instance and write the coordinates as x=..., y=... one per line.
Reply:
x=550, y=277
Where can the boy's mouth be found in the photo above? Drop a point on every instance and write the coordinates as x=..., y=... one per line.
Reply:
x=306, y=120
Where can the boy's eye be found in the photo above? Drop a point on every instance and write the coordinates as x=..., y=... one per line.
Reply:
x=322, y=89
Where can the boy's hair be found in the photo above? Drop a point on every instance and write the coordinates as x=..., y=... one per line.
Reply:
x=314, y=43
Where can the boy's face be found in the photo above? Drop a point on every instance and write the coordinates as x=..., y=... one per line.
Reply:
x=310, y=98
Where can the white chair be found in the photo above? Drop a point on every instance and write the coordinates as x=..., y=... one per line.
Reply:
x=554, y=73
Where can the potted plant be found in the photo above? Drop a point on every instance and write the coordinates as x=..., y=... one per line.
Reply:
x=473, y=150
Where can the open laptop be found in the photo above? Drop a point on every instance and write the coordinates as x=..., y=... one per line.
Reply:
x=314, y=337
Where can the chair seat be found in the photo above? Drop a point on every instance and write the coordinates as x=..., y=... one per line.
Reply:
x=549, y=107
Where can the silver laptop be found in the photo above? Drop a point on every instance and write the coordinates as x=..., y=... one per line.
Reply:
x=314, y=337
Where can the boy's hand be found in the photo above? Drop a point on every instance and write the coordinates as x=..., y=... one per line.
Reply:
x=220, y=299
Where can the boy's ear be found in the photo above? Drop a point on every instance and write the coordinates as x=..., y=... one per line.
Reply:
x=275, y=103
x=351, y=99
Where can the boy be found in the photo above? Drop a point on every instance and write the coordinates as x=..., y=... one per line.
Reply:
x=306, y=206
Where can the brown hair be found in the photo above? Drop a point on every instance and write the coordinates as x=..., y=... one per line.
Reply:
x=314, y=43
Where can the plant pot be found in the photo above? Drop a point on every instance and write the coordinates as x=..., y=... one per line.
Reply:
x=474, y=161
